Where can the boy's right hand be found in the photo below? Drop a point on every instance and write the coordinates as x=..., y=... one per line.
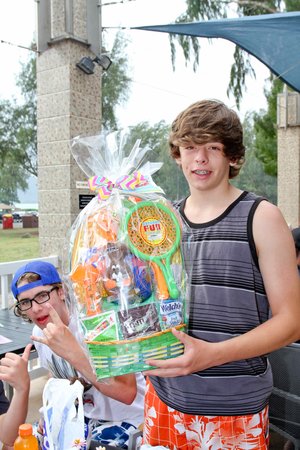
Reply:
x=13, y=369
x=59, y=338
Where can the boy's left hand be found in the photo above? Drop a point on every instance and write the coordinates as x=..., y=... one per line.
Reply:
x=13, y=369
x=197, y=356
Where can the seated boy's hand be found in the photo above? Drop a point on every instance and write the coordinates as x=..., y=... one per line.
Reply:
x=13, y=369
x=197, y=356
x=40, y=426
x=86, y=385
x=63, y=343
x=57, y=335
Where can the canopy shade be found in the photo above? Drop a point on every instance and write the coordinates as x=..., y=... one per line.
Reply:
x=274, y=39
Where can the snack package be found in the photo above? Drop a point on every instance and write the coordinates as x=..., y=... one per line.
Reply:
x=125, y=271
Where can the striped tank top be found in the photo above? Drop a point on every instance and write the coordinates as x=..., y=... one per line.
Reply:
x=228, y=299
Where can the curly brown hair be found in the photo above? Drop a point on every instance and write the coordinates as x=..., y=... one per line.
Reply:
x=209, y=121
x=26, y=278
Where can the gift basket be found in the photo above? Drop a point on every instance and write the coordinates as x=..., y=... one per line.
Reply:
x=124, y=264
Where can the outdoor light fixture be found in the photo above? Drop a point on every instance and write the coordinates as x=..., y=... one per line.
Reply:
x=87, y=64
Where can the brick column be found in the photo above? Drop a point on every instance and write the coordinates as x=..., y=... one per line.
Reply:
x=69, y=104
x=288, y=112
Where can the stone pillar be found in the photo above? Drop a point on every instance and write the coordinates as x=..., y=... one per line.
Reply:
x=288, y=113
x=68, y=104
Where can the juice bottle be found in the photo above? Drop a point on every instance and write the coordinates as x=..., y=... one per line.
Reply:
x=26, y=440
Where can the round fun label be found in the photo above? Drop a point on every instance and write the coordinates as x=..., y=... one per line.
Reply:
x=153, y=231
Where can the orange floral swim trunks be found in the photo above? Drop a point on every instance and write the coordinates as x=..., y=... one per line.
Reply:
x=178, y=431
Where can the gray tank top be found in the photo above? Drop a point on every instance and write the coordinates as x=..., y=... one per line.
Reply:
x=229, y=299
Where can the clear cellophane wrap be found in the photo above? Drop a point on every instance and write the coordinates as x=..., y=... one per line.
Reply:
x=125, y=272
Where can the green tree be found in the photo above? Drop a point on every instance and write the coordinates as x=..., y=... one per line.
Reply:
x=212, y=9
x=18, y=136
x=18, y=121
x=25, y=119
x=169, y=177
x=11, y=179
x=265, y=130
x=115, y=83
x=6, y=134
x=264, y=149
x=252, y=176
x=12, y=173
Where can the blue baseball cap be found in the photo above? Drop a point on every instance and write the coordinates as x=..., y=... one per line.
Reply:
x=47, y=272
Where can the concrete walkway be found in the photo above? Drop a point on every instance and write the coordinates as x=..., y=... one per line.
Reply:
x=35, y=398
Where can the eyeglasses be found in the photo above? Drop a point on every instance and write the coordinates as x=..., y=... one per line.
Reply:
x=41, y=297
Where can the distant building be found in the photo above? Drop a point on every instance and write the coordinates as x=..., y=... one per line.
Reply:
x=4, y=207
x=26, y=206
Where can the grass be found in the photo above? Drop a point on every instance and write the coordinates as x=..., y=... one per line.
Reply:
x=19, y=243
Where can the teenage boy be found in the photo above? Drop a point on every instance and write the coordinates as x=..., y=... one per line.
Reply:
x=112, y=408
x=240, y=256
x=13, y=370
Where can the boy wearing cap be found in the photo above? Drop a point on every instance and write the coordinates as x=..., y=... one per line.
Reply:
x=239, y=256
x=112, y=408
x=13, y=370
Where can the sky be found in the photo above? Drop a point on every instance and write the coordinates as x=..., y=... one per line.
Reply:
x=157, y=92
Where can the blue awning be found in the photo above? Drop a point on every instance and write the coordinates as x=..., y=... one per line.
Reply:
x=274, y=39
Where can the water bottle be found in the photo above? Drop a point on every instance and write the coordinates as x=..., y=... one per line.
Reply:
x=26, y=440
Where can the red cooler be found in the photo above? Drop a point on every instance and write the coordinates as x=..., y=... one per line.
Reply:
x=7, y=221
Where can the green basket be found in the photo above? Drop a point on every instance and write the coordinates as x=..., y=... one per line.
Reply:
x=120, y=357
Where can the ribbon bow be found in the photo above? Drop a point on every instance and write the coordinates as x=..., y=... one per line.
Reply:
x=127, y=183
